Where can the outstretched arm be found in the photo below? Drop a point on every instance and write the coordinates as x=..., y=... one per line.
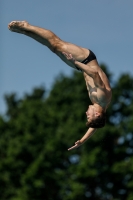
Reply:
x=87, y=135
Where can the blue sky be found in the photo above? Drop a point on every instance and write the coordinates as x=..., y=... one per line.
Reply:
x=106, y=27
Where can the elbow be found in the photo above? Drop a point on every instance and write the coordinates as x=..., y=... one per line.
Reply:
x=95, y=74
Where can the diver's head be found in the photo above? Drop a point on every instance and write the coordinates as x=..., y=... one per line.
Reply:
x=96, y=116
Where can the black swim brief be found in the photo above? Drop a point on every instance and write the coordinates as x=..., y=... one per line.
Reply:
x=88, y=59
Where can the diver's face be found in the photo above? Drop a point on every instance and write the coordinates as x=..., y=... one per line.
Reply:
x=90, y=113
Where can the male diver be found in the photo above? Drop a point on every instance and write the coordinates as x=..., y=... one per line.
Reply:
x=79, y=58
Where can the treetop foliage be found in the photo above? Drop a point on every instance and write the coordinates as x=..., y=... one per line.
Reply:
x=38, y=130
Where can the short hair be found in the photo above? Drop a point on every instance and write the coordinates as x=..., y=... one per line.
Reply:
x=99, y=122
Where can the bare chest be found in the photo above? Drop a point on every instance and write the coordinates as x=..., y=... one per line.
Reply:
x=96, y=95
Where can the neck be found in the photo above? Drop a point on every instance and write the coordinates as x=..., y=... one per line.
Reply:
x=99, y=108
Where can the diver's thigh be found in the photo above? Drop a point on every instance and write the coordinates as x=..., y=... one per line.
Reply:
x=79, y=53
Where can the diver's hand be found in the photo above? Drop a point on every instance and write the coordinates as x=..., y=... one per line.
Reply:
x=69, y=57
x=77, y=144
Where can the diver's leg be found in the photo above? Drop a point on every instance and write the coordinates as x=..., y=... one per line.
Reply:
x=49, y=39
x=43, y=36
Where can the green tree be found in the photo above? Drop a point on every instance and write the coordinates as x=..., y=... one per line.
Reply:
x=38, y=129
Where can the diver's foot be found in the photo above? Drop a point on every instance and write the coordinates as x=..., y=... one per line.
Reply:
x=18, y=26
